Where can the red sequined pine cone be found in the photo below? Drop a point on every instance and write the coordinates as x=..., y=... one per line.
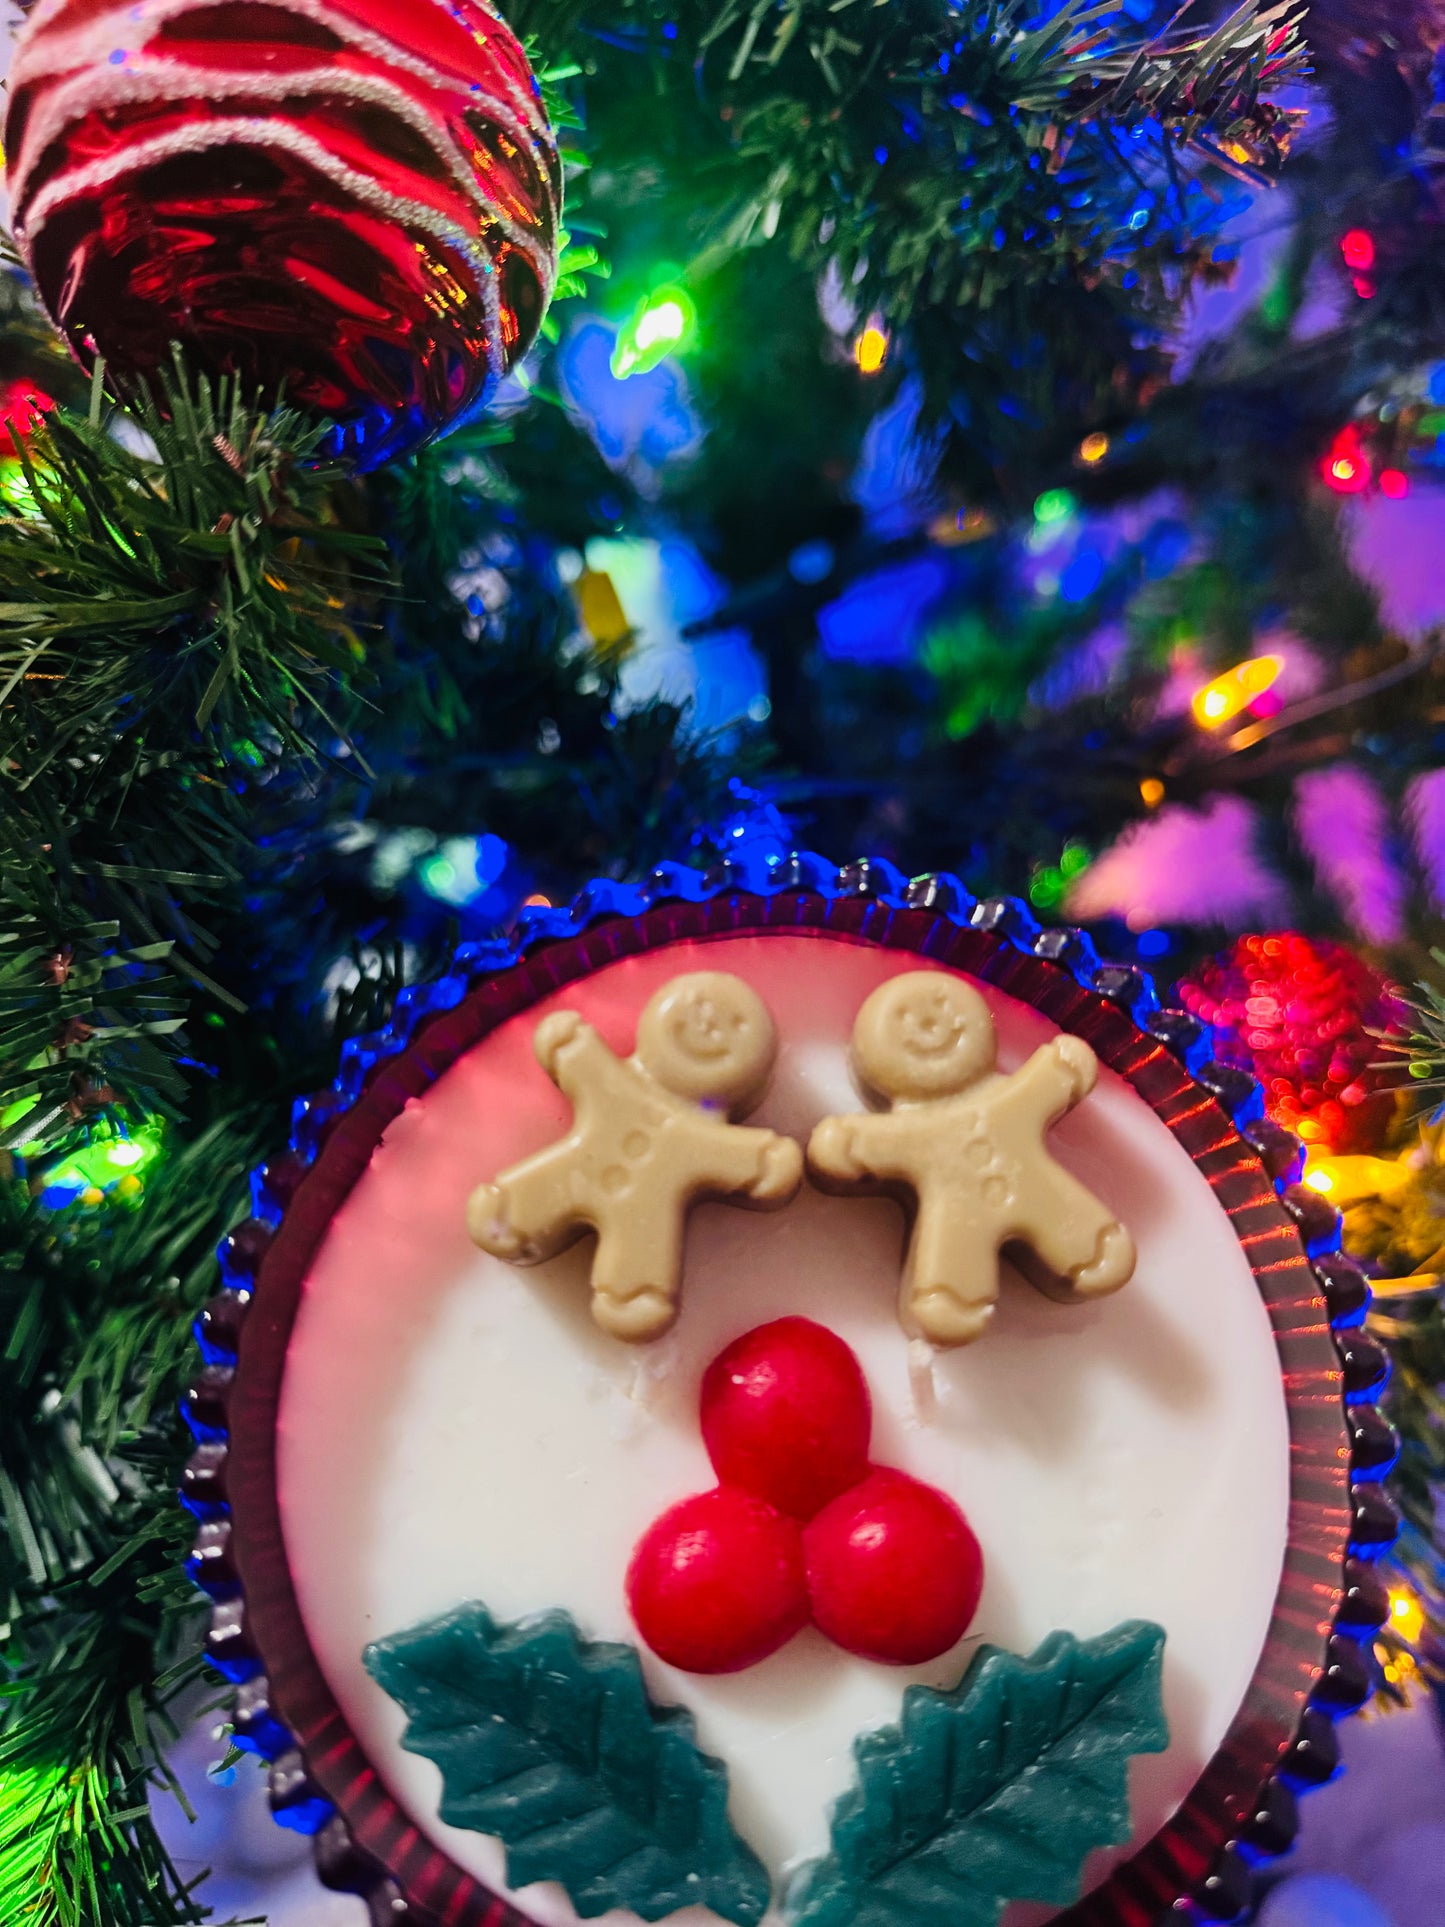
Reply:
x=1297, y=1013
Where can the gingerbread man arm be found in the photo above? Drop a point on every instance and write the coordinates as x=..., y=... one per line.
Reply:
x=588, y=1074
x=848, y=1150
x=1052, y=1082
x=536, y=1208
x=1077, y=1238
x=743, y=1161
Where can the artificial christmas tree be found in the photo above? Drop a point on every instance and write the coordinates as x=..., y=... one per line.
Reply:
x=878, y=481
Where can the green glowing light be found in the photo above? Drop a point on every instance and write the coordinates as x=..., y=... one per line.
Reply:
x=1054, y=505
x=1074, y=860
x=102, y=1165
x=1046, y=892
x=662, y=323
x=438, y=877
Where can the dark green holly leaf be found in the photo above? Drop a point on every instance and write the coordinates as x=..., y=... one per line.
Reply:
x=993, y=1792
x=549, y=1742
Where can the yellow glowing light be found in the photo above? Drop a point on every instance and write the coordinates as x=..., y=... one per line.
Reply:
x=1236, y=689
x=1348, y=1181
x=1407, y=1616
x=954, y=527
x=1093, y=448
x=1152, y=791
x=870, y=350
x=538, y=902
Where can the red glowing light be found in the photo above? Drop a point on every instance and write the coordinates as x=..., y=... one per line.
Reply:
x=1358, y=248
x=1395, y=483
x=1347, y=475
x=1346, y=468
x=21, y=406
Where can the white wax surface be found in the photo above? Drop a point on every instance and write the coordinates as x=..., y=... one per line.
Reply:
x=453, y=1428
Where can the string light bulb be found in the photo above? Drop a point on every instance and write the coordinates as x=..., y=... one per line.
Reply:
x=1346, y=467
x=662, y=323
x=107, y=1167
x=1236, y=689
x=1093, y=448
x=1054, y=505
x=1407, y=1616
x=1357, y=250
x=870, y=350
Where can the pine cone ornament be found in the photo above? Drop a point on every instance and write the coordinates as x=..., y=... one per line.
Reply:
x=1297, y=1013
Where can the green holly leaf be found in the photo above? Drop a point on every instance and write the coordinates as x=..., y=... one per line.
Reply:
x=549, y=1742
x=993, y=1792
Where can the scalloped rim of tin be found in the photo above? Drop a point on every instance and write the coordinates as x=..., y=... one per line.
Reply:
x=1314, y=1666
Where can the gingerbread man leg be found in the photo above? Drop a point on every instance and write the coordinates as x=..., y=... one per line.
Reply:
x=637, y=1275
x=518, y=1218
x=1076, y=1237
x=950, y=1282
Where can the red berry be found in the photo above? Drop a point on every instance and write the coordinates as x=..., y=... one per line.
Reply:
x=894, y=1573
x=717, y=1583
x=786, y=1415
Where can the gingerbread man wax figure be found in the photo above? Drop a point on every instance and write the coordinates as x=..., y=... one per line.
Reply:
x=965, y=1145
x=651, y=1136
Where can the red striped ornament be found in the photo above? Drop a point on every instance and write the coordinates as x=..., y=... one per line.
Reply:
x=356, y=199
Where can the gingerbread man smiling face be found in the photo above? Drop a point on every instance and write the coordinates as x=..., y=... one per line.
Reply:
x=929, y=1038
x=709, y=1038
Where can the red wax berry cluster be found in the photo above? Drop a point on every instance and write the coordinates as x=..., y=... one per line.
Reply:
x=801, y=1526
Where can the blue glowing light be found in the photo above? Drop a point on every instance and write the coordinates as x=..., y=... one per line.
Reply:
x=463, y=868
x=647, y=419
x=1165, y=547
x=1082, y=577
x=812, y=562
x=879, y=619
